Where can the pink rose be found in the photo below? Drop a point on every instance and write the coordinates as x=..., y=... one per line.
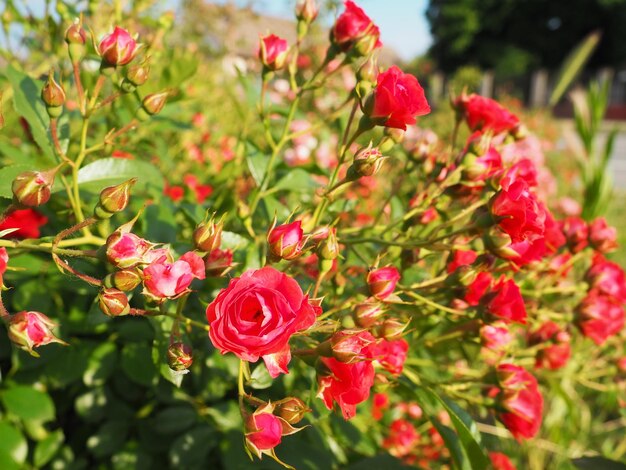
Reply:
x=397, y=99
x=118, y=48
x=256, y=315
x=170, y=280
x=382, y=281
x=273, y=52
x=29, y=330
x=286, y=241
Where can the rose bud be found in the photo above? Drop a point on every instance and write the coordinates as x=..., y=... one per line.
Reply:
x=113, y=199
x=306, y=10
x=179, y=356
x=354, y=27
x=500, y=461
x=136, y=76
x=391, y=329
x=76, y=38
x=367, y=314
x=124, y=280
x=263, y=432
x=32, y=188
x=28, y=330
x=504, y=301
x=113, y=302
x=602, y=237
x=396, y=101
x=349, y=346
x=367, y=162
x=328, y=248
x=125, y=249
x=273, y=52
x=286, y=241
x=218, y=262
x=152, y=104
x=382, y=281
x=291, y=409
x=208, y=235
x=53, y=95
x=117, y=48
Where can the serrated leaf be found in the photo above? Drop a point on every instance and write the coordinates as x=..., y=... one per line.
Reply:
x=296, y=180
x=28, y=403
x=257, y=164
x=260, y=378
x=111, y=171
x=233, y=241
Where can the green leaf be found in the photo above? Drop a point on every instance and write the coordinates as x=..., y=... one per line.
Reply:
x=13, y=447
x=191, y=449
x=109, y=438
x=28, y=104
x=260, y=378
x=111, y=171
x=28, y=403
x=102, y=363
x=573, y=64
x=297, y=180
x=137, y=364
x=594, y=463
x=386, y=462
x=257, y=164
x=175, y=420
x=48, y=447
x=233, y=241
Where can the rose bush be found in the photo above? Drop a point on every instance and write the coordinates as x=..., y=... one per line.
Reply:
x=417, y=298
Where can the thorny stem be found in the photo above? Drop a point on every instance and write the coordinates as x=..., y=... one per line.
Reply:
x=84, y=277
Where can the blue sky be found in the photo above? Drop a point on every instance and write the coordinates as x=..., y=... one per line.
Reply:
x=402, y=23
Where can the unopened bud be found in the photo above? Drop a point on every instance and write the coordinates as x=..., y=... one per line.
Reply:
x=291, y=409
x=328, y=249
x=113, y=199
x=124, y=280
x=218, y=262
x=367, y=162
x=53, y=95
x=28, y=330
x=113, y=302
x=136, y=76
x=152, y=104
x=306, y=10
x=350, y=346
x=286, y=241
x=208, y=235
x=32, y=188
x=179, y=356
x=391, y=329
x=368, y=313
x=76, y=38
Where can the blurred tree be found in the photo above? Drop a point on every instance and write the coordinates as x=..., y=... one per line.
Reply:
x=512, y=36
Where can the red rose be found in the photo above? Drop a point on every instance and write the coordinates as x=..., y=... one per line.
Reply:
x=602, y=236
x=273, y=52
x=402, y=438
x=354, y=26
x=26, y=221
x=524, y=170
x=576, y=232
x=118, y=48
x=382, y=281
x=518, y=213
x=391, y=355
x=521, y=400
x=346, y=384
x=486, y=114
x=397, y=99
x=257, y=314
x=477, y=288
x=600, y=316
x=500, y=461
x=556, y=342
x=608, y=278
x=461, y=258
x=553, y=236
x=504, y=301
